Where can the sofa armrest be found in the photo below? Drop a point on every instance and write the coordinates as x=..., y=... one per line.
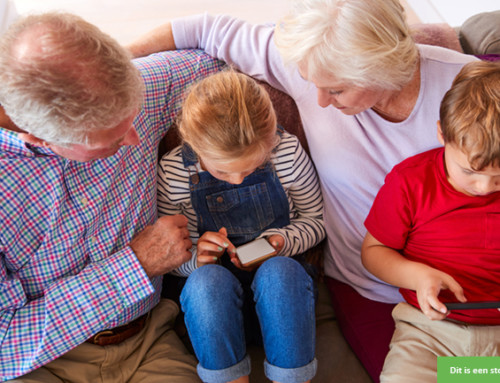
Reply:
x=440, y=34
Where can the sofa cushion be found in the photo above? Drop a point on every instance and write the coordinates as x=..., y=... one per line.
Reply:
x=480, y=34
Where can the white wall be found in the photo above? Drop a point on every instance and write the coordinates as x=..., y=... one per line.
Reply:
x=453, y=12
x=125, y=19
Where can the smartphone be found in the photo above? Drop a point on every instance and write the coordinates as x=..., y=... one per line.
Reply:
x=255, y=251
x=472, y=305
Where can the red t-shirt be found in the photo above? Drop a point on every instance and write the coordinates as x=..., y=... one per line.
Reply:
x=420, y=214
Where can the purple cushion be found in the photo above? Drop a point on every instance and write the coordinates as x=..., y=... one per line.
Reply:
x=490, y=57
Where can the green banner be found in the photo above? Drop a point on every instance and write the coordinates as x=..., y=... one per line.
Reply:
x=468, y=369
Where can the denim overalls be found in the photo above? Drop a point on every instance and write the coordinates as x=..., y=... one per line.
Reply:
x=221, y=302
x=245, y=210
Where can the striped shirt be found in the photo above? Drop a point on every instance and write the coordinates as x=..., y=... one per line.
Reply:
x=297, y=176
x=66, y=270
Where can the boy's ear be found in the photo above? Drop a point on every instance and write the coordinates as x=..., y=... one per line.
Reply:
x=440, y=133
x=31, y=139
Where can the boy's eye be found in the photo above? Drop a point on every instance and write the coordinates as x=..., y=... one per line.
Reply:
x=334, y=92
x=467, y=171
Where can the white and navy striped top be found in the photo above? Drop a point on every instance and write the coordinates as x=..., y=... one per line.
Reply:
x=297, y=175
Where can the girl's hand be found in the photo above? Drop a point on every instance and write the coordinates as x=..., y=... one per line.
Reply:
x=235, y=260
x=276, y=241
x=428, y=288
x=212, y=245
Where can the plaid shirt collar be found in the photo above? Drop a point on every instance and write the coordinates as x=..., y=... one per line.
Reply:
x=11, y=145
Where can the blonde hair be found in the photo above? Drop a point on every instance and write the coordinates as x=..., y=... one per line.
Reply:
x=470, y=113
x=63, y=78
x=228, y=116
x=364, y=43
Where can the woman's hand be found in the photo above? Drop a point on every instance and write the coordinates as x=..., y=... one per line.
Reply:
x=212, y=245
x=431, y=282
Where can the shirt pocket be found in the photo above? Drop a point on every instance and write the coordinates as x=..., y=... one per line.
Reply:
x=243, y=210
x=492, y=240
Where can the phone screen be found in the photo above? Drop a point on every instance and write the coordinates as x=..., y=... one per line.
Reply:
x=254, y=251
x=472, y=305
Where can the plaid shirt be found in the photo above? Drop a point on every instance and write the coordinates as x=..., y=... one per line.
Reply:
x=66, y=270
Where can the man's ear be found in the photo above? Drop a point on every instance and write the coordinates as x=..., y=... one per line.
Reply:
x=440, y=133
x=31, y=139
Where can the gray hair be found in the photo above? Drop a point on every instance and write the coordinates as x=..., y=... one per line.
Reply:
x=62, y=78
x=365, y=43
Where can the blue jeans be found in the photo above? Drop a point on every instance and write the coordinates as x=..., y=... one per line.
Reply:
x=212, y=301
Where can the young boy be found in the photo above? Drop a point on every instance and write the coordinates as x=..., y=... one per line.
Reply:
x=434, y=231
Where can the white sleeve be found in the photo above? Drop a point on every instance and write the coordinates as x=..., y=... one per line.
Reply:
x=250, y=48
x=174, y=198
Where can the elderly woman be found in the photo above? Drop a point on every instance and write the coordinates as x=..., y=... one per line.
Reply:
x=368, y=97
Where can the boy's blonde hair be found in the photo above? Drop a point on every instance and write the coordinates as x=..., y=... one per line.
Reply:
x=228, y=116
x=470, y=113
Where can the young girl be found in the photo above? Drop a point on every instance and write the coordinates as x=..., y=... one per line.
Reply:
x=237, y=178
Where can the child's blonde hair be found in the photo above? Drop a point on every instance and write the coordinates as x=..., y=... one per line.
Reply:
x=228, y=116
x=470, y=113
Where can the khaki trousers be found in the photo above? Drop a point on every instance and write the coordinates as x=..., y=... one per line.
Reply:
x=153, y=355
x=418, y=341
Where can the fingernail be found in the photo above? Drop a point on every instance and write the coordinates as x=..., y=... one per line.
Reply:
x=216, y=259
x=276, y=244
x=220, y=248
x=226, y=244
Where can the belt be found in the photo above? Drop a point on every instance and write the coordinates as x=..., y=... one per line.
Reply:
x=118, y=334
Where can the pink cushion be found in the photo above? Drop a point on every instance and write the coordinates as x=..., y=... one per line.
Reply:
x=436, y=34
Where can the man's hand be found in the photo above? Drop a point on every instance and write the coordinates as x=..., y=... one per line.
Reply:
x=163, y=246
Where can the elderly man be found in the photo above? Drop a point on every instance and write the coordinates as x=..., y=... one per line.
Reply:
x=81, y=249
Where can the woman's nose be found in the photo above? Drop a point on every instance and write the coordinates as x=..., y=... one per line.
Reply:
x=324, y=98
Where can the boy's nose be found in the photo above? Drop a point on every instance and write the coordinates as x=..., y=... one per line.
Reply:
x=487, y=186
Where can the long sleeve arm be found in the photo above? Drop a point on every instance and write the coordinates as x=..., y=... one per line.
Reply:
x=34, y=330
x=174, y=198
x=306, y=228
x=248, y=47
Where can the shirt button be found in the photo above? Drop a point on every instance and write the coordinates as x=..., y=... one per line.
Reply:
x=93, y=240
x=84, y=201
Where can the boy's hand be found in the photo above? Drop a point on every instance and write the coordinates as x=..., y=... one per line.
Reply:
x=212, y=245
x=430, y=283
